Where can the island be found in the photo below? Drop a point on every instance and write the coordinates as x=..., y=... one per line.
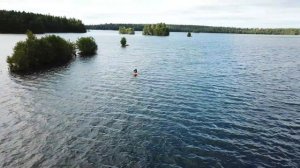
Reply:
x=124, y=30
x=86, y=46
x=35, y=54
x=19, y=22
x=159, y=29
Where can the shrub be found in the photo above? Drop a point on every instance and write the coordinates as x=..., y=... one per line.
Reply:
x=87, y=46
x=123, y=42
x=36, y=54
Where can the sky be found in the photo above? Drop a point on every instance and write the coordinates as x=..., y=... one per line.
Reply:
x=231, y=13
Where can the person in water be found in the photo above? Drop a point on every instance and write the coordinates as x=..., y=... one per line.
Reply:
x=135, y=73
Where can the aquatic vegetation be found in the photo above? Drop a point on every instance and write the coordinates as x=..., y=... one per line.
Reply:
x=36, y=54
x=87, y=46
x=123, y=42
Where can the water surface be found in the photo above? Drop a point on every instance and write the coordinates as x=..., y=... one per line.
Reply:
x=213, y=100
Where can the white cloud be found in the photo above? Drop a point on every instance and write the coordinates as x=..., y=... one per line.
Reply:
x=238, y=13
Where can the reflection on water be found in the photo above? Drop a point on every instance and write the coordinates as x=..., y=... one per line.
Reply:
x=213, y=100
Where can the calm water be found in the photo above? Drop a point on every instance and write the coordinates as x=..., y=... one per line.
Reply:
x=214, y=100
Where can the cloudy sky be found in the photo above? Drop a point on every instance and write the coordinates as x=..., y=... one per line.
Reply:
x=234, y=13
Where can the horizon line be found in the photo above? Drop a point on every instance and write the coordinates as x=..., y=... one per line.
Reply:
x=190, y=25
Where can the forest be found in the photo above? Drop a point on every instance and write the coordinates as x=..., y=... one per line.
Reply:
x=203, y=29
x=20, y=22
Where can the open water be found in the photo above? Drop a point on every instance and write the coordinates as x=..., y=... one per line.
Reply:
x=213, y=100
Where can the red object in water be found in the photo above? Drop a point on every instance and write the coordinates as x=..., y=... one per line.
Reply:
x=135, y=74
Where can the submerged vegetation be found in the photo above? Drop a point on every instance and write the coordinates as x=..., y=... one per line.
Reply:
x=123, y=42
x=124, y=30
x=202, y=29
x=37, y=54
x=20, y=22
x=159, y=29
x=87, y=46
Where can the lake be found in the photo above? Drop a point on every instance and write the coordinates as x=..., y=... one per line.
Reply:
x=213, y=100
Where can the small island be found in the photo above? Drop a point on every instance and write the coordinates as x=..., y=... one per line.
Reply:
x=87, y=46
x=35, y=54
x=159, y=29
x=189, y=34
x=124, y=30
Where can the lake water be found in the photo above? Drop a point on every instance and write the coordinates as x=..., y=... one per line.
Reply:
x=213, y=100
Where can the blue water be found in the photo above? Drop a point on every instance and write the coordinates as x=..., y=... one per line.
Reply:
x=213, y=100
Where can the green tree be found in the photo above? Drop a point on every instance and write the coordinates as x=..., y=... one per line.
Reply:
x=87, y=46
x=123, y=42
x=189, y=34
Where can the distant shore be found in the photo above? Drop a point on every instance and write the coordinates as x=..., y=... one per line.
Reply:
x=202, y=29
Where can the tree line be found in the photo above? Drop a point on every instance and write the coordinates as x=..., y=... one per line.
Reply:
x=111, y=26
x=20, y=22
x=203, y=29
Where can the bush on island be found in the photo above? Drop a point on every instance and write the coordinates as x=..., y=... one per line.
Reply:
x=87, y=46
x=35, y=54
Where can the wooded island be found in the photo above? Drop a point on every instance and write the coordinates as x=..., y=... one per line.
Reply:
x=124, y=30
x=159, y=29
